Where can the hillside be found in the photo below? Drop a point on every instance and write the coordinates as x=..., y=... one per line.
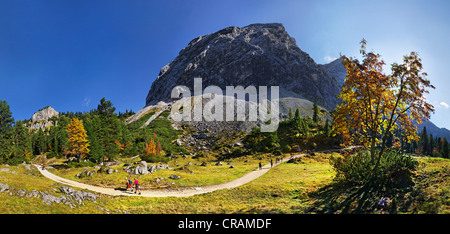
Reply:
x=304, y=187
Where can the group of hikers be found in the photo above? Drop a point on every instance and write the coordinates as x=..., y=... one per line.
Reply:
x=277, y=160
x=130, y=185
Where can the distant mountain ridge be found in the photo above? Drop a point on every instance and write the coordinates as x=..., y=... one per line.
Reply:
x=337, y=70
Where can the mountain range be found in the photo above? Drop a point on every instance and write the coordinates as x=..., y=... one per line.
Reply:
x=258, y=54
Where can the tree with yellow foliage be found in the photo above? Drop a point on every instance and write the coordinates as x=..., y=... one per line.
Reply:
x=77, y=139
x=150, y=148
x=374, y=104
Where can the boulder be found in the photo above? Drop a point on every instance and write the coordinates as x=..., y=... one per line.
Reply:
x=3, y=187
x=141, y=169
x=202, y=135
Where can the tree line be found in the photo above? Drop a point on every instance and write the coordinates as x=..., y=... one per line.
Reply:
x=95, y=136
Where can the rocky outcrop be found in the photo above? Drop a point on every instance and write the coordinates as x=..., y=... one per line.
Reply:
x=71, y=197
x=142, y=168
x=258, y=55
x=41, y=118
x=336, y=70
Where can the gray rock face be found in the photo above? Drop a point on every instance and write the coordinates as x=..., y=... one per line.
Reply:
x=44, y=114
x=41, y=118
x=336, y=70
x=258, y=55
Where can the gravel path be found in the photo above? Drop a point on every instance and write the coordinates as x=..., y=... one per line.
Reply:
x=183, y=192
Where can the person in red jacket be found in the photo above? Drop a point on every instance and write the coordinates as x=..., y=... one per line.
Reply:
x=136, y=184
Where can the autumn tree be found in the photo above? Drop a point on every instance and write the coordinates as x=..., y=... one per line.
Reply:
x=77, y=139
x=374, y=104
x=150, y=148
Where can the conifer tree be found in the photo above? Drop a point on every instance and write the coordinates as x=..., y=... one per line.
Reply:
x=6, y=119
x=290, y=115
x=444, y=151
x=315, y=113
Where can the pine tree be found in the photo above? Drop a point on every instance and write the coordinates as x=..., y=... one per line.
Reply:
x=327, y=128
x=430, y=145
x=290, y=115
x=6, y=119
x=444, y=151
x=78, y=139
x=315, y=113
x=297, y=114
x=424, y=141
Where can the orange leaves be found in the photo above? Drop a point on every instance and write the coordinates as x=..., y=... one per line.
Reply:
x=77, y=138
x=375, y=105
x=152, y=149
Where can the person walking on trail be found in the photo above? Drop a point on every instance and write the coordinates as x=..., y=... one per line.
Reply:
x=130, y=185
x=136, y=184
x=271, y=163
x=43, y=166
x=260, y=166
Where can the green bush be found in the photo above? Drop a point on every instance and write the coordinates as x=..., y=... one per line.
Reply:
x=394, y=168
x=81, y=164
x=153, y=158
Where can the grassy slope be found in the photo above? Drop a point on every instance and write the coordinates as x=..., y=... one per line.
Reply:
x=287, y=188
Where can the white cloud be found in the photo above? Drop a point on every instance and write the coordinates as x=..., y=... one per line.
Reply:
x=86, y=102
x=444, y=105
x=329, y=59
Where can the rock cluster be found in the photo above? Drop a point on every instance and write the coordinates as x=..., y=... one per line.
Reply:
x=143, y=169
x=71, y=197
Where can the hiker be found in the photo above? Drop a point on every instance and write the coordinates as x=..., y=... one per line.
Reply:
x=136, y=184
x=260, y=166
x=43, y=166
x=271, y=163
x=127, y=184
x=130, y=185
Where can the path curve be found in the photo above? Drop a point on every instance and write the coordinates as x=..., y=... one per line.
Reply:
x=180, y=192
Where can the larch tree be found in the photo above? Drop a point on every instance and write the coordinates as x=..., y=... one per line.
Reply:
x=374, y=104
x=77, y=139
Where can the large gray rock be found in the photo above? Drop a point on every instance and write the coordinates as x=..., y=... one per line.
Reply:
x=141, y=168
x=3, y=187
x=258, y=55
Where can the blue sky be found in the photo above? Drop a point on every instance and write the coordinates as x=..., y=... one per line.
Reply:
x=70, y=54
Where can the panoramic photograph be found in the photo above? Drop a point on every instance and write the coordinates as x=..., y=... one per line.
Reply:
x=224, y=107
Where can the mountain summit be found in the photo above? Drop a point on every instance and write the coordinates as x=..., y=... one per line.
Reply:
x=258, y=55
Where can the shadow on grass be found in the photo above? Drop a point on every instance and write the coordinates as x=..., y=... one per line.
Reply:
x=347, y=198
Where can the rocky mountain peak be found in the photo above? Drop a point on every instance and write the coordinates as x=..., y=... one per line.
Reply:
x=44, y=114
x=258, y=55
x=41, y=118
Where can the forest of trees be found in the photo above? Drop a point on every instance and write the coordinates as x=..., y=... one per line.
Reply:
x=428, y=145
x=294, y=133
x=95, y=136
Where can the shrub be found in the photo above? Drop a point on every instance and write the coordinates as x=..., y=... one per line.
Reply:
x=154, y=158
x=394, y=168
x=81, y=164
